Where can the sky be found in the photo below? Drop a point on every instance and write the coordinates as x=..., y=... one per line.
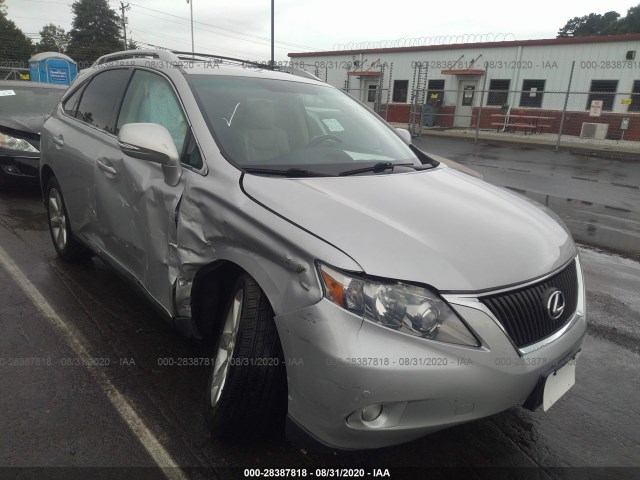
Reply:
x=242, y=27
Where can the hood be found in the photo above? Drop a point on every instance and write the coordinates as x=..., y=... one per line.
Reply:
x=30, y=124
x=437, y=227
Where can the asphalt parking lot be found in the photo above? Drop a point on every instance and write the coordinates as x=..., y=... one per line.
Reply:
x=83, y=382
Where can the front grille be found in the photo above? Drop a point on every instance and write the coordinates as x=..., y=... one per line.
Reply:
x=523, y=313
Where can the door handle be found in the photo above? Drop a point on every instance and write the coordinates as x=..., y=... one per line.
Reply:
x=58, y=140
x=105, y=167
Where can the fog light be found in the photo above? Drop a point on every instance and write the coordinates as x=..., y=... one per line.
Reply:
x=11, y=169
x=370, y=413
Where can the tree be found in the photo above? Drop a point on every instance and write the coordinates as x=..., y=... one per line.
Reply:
x=630, y=23
x=95, y=32
x=14, y=45
x=53, y=39
x=588, y=25
x=609, y=23
x=3, y=8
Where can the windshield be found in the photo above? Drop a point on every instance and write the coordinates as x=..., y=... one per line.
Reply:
x=273, y=126
x=18, y=101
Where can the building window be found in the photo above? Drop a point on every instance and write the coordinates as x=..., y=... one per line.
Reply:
x=532, y=93
x=435, y=92
x=604, y=90
x=635, y=97
x=371, y=93
x=498, y=92
x=400, y=89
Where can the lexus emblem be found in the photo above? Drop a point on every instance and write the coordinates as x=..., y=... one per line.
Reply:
x=555, y=304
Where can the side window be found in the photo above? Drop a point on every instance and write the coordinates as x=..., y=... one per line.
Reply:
x=150, y=99
x=70, y=105
x=192, y=155
x=100, y=98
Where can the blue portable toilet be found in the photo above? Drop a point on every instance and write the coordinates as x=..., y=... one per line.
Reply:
x=52, y=67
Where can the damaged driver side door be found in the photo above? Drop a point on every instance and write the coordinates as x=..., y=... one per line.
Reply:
x=146, y=248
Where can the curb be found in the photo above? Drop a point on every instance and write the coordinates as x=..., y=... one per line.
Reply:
x=568, y=147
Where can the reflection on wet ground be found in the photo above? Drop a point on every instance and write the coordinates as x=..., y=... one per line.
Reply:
x=597, y=198
x=605, y=226
x=62, y=417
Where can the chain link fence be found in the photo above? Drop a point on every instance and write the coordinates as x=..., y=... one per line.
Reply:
x=592, y=103
x=13, y=70
x=604, y=115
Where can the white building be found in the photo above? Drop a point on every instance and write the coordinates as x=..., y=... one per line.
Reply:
x=527, y=76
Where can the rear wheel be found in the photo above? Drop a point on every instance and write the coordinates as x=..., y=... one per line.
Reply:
x=246, y=395
x=67, y=247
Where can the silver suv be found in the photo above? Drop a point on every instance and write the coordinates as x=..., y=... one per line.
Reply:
x=342, y=278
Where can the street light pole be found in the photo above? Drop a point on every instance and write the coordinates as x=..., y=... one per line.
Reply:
x=190, y=2
x=272, y=38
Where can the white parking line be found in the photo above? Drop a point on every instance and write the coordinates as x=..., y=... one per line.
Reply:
x=77, y=343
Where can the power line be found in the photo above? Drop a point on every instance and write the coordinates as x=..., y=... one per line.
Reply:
x=142, y=41
x=186, y=42
x=34, y=18
x=209, y=31
x=222, y=28
x=48, y=1
x=265, y=41
x=287, y=45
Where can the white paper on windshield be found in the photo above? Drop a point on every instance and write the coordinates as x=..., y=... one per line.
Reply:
x=6, y=93
x=333, y=125
x=366, y=157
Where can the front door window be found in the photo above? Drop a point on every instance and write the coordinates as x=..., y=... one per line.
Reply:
x=150, y=99
x=467, y=95
x=371, y=94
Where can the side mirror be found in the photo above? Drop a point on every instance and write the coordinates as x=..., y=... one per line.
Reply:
x=404, y=134
x=153, y=143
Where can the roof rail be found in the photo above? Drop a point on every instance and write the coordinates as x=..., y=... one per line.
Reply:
x=201, y=56
x=165, y=55
x=298, y=72
x=173, y=56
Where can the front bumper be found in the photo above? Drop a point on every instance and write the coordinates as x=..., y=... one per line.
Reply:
x=338, y=364
x=19, y=168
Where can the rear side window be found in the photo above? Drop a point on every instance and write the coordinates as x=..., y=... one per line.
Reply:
x=151, y=99
x=100, y=98
x=70, y=105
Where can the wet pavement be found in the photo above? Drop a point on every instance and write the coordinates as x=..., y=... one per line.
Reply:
x=60, y=410
x=598, y=198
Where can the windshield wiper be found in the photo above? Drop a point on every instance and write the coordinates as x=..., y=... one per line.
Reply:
x=378, y=168
x=289, y=172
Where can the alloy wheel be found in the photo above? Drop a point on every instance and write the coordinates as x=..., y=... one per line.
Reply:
x=57, y=219
x=225, y=349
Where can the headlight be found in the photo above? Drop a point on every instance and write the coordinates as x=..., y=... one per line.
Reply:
x=398, y=306
x=12, y=143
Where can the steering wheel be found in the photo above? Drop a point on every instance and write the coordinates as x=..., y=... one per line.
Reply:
x=323, y=138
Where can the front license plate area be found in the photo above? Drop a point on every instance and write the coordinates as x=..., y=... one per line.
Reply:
x=553, y=384
x=558, y=383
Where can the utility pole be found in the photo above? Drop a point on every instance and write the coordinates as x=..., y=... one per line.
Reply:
x=272, y=38
x=193, y=49
x=124, y=8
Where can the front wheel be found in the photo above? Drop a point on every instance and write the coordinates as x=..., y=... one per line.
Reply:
x=246, y=395
x=67, y=247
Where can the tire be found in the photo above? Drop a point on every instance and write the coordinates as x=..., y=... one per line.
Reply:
x=246, y=396
x=67, y=247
